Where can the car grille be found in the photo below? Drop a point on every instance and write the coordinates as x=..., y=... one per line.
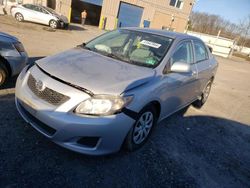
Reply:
x=47, y=94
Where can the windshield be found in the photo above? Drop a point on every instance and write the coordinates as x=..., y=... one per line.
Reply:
x=50, y=10
x=139, y=48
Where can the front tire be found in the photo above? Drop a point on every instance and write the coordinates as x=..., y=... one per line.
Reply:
x=19, y=17
x=142, y=129
x=3, y=74
x=204, y=96
x=53, y=24
x=66, y=26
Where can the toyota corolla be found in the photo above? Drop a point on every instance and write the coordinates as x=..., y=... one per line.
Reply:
x=112, y=91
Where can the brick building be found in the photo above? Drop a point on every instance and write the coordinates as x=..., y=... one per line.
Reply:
x=110, y=14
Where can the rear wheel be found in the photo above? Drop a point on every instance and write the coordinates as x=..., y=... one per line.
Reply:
x=142, y=128
x=3, y=74
x=19, y=17
x=204, y=96
x=53, y=24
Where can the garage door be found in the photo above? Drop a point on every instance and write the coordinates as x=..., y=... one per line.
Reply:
x=129, y=15
x=95, y=2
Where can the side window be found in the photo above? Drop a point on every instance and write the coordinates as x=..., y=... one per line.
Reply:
x=183, y=54
x=44, y=11
x=27, y=6
x=200, y=51
x=176, y=3
x=38, y=9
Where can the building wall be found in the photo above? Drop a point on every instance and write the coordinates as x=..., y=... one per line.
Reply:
x=64, y=7
x=158, y=12
x=39, y=2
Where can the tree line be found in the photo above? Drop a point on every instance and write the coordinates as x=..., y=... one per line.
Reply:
x=212, y=24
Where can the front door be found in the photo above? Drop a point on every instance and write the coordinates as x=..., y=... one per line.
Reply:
x=180, y=88
x=41, y=15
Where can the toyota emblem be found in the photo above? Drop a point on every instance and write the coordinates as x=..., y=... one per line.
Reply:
x=39, y=85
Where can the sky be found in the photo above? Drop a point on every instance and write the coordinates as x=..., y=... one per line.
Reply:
x=232, y=10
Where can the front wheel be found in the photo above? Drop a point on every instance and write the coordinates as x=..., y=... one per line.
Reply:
x=3, y=74
x=66, y=26
x=142, y=129
x=204, y=96
x=53, y=24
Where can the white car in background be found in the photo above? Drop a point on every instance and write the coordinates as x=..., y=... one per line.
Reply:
x=39, y=14
x=6, y=5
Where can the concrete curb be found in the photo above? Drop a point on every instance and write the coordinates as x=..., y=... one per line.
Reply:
x=4, y=92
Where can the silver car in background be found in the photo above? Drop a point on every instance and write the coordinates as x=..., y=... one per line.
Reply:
x=39, y=14
x=13, y=57
x=112, y=91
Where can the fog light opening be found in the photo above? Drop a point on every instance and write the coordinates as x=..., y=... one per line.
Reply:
x=90, y=142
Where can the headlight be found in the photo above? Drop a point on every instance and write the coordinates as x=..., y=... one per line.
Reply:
x=19, y=47
x=103, y=105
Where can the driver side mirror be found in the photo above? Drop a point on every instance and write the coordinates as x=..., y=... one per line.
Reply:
x=180, y=67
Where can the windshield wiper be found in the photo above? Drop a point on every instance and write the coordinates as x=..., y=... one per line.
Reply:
x=140, y=64
x=115, y=56
x=83, y=45
x=128, y=61
x=87, y=48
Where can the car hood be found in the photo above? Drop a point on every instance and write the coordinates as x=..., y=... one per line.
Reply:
x=95, y=72
x=8, y=37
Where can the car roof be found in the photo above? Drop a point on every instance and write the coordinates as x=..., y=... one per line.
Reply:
x=166, y=33
x=7, y=37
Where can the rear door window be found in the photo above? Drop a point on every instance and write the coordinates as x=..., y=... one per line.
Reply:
x=29, y=6
x=200, y=51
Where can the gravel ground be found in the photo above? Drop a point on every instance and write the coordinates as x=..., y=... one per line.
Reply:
x=193, y=148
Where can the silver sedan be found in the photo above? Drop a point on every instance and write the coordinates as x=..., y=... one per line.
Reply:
x=39, y=14
x=112, y=91
x=13, y=57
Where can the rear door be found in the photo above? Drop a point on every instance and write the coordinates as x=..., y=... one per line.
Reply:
x=202, y=63
x=28, y=12
x=179, y=89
